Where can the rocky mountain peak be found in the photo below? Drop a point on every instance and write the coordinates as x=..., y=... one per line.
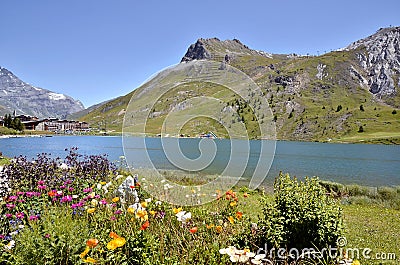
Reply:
x=215, y=49
x=379, y=56
x=16, y=95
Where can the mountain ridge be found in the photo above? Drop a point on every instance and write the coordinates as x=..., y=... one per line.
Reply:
x=17, y=95
x=325, y=97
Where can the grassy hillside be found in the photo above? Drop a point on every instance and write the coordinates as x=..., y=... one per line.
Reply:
x=313, y=98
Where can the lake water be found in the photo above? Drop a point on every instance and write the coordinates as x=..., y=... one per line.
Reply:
x=372, y=165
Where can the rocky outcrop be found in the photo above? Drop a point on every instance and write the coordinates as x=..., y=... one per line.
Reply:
x=379, y=56
x=196, y=51
x=16, y=95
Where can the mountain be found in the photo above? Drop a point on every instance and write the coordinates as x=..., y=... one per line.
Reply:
x=16, y=95
x=347, y=95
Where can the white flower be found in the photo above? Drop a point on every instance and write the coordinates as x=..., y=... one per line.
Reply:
x=147, y=200
x=119, y=176
x=21, y=226
x=158, y=202
x=183, y=216
x=10, y=245
x=98, y=186
x=94, y=202
x=74, y=196
x=64, y=166
x=258, y=259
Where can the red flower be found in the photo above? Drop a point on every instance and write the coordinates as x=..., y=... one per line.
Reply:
x=145, y=225
x=193, y=230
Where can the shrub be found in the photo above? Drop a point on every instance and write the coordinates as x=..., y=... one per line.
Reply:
x=301, y=216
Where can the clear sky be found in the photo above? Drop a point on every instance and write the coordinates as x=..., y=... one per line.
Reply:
x=95, y=50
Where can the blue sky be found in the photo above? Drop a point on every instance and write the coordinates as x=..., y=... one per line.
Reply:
x=94, y=50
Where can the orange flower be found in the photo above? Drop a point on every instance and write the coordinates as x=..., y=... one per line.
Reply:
x=245, y=195
x=231, y=219
x=239, y=215
x=115, y=199
x=145, y=225
x=210, y=226
x=116, y=243
x=52, y=193
x=92, y=242
x=143, y=204
x=193, y=230
x=114, y=235
x=218, y=228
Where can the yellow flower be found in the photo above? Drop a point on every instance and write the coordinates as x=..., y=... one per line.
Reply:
x=152, y=212
x=94, y=202
x=84, y=253
x=91, y=210
x=115, y=199
x=231, y=219
x=218, y=228
x=177, y=210
x=89, y=260
x=142, y=215
x=233, y=204
x=143, y=204
x=356, y=262
x=116, y=243
x=131, y=210
x=103, y=182
x=210, y=226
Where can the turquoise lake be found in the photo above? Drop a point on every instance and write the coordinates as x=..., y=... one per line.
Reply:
x=371, y=165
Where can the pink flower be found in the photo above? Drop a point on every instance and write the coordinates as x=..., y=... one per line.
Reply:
x=42, y=187
x=71, y=189
x=67, y=198
x=40, y=182
x=113, y=218
x=33, y=217
x=30, y=194
x=103, y=201
x=8, y=215
x=63, y=187
x=47, y=235
x=87, y=190
x=10, y=206
x=20, y=215
x=68, y=181
x=12, y=198
x=21, y=201
x=20, y=193
x=118, y=212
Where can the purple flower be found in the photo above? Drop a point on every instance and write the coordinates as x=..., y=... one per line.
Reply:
x=42, y=187
x=8, y=215
x=20, y=193
x=10, y=206
x=103, y=201
x=68, y=181
x=63, y=187
x=160, y=215
x=40, y=182
x=118, y=212
x=21, y=201
x=20, y=215
x=2, y=236
x=70, y=189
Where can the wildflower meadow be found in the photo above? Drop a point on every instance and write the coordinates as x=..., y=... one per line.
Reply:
x=73, y=211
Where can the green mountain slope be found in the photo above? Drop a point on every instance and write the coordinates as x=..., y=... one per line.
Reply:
x=349, y=95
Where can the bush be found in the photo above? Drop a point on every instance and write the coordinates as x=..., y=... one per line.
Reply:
x=301, y=216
